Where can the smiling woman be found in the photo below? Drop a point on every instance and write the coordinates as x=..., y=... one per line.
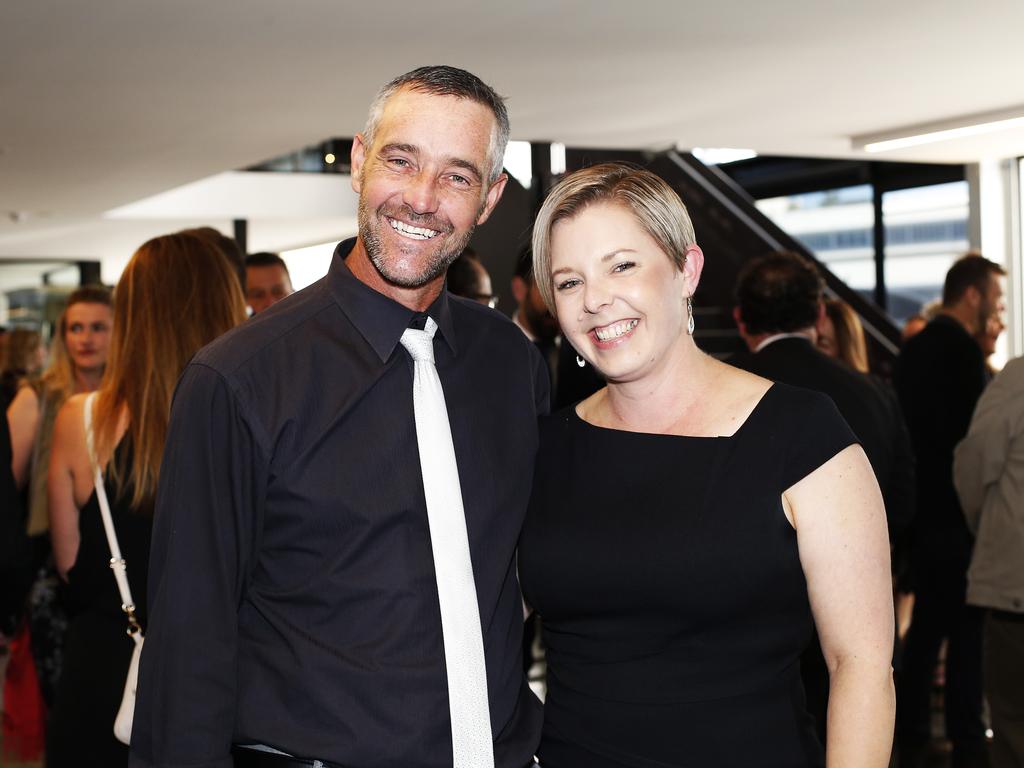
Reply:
x=739, y=512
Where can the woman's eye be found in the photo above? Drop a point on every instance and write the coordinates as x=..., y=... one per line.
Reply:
x=566, y=284
x=623, y=266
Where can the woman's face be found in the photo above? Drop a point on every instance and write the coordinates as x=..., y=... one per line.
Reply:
x=87, y=335
x=619, y=298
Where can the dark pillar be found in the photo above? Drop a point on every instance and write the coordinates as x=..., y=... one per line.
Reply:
x=242, y=235
x=89, y=273
x=881, y=296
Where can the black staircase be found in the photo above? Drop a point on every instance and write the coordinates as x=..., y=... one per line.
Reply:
x=731, y=230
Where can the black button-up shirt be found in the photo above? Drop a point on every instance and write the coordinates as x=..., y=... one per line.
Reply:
x=293, y=600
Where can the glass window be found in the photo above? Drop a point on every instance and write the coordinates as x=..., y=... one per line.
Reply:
x=836, y=225
x=925, y=231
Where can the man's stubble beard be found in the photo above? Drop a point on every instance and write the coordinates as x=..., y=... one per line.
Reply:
x=444, y=254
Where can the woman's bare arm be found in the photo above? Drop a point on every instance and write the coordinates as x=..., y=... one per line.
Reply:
x=844, y=549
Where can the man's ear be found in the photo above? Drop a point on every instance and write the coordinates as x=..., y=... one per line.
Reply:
x=737, y=316
x=357, y=157
x=494, y=193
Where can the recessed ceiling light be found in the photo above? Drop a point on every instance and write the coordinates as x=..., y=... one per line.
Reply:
x=329, y=158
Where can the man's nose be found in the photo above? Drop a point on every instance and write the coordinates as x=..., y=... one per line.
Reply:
x=421, y=193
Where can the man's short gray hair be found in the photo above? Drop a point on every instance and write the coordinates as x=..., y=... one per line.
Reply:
x=447, y=81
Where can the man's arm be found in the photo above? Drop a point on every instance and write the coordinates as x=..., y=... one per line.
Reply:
x=206, y=530
x=980, y=457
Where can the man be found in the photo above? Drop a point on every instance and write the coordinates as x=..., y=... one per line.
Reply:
x=266, y=280
x=988, y=471
x=301, y=601
x=467, y=277
x=779, y=306
x=570, y=382
x=939, y=376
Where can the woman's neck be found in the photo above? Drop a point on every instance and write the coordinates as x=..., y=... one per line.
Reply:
x=87, y=381
x=669, y=400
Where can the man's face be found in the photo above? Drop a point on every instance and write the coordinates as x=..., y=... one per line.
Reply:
x=265, y=286
x=423, y=185
x=992, y=308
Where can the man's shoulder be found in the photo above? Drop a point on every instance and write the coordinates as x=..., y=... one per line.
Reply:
x=284, y=322
x=942, y=345
x=481, y=322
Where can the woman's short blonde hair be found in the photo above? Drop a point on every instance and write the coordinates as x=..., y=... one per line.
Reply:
x=656, y=206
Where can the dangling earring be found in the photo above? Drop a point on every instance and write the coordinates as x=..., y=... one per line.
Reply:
x=689, y=314
x=580, y=361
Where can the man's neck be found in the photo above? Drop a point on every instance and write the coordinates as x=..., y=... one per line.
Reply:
x=965, y=316
x=417, y=299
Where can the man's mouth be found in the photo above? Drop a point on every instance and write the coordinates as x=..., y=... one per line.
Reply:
x=615, y=330
x=408, y=230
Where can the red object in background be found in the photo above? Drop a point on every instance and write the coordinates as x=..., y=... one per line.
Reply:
x=24, y=711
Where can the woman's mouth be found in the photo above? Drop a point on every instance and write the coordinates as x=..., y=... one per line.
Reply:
x=614, y=331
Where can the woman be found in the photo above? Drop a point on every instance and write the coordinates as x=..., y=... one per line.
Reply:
x=688, y=519
x=177, y=294
x=23, y=357
x=78, y=357
x=841, y=335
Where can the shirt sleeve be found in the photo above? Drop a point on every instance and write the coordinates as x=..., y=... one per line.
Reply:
x=819, y=432
x=208, y=513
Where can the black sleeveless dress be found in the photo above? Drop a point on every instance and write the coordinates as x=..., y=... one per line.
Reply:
x=97, y=649
x=673, y=601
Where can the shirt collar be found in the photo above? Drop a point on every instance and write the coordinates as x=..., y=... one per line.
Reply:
x=779, y=337
x=380, y=319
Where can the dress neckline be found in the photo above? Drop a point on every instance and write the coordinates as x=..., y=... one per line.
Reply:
x=750, y=417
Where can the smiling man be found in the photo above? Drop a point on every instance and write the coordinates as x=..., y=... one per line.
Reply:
x=333, y=572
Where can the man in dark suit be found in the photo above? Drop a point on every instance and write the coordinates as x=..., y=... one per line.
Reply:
x=940, y=376
x=779, y=303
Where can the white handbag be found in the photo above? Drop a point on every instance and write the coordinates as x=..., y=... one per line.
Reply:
x=126, y=712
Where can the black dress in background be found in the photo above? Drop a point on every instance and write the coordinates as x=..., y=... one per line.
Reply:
x=674, y=604
x=97, y=648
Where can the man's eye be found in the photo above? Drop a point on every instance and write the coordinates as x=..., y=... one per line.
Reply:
x=399, y=162
x=76, y=328
x=462, y=181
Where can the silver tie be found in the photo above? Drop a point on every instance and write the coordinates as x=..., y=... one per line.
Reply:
x=456, y=589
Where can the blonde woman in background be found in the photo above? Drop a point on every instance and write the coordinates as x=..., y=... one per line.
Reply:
x=78, y=355
x=177, y=294
x=841, y=335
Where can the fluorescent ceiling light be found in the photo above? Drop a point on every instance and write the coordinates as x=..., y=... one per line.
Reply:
x=721, y=155
x=947, y=130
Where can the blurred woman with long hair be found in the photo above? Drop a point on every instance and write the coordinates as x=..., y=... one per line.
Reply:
x=177, y=294
x=841, y=335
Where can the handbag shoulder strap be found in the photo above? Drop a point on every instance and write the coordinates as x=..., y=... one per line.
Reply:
x=117, y=563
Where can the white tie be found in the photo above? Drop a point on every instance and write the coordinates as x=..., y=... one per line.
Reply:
x=456, y=589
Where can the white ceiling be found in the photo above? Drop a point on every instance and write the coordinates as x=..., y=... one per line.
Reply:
x=108, y=102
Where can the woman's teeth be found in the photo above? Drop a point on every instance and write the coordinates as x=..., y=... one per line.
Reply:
x=615, y=330
x=416, y=233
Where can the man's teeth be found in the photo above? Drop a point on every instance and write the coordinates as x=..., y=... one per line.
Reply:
x=418, y=233
x=610, y=332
